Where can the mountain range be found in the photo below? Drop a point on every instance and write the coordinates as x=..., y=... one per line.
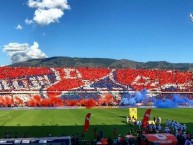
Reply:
x=102, y=62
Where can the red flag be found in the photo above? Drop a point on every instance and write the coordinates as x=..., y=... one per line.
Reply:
x=146, y=118
x=87, y=120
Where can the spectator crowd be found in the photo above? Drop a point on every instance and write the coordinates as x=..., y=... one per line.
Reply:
x=30, y=86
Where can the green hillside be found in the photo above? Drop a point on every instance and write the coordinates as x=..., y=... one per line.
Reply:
x=102, y=62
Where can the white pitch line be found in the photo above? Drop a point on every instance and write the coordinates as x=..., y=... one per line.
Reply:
x=6, y=117
x=4, y=114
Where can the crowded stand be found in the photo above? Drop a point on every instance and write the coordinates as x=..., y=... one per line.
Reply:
x=30, y=86
x=90, y=87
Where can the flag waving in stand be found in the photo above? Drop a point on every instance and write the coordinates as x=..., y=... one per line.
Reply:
x=87, y=121
x=146, y=118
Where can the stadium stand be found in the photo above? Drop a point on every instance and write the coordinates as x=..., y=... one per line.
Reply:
x=29, y=86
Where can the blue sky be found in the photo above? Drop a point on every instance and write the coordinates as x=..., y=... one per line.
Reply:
x=141, y=30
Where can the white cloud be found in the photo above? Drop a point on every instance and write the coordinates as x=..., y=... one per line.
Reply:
x=28, y=21
x=19, y=52
x=45, y=17
x=48, y=11
x=48, y=4
x=19, y=27
x=191, y=16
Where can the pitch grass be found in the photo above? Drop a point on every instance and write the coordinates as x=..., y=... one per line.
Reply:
x=38, y=123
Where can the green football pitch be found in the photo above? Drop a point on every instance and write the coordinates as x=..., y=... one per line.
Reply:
x=38, y=123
